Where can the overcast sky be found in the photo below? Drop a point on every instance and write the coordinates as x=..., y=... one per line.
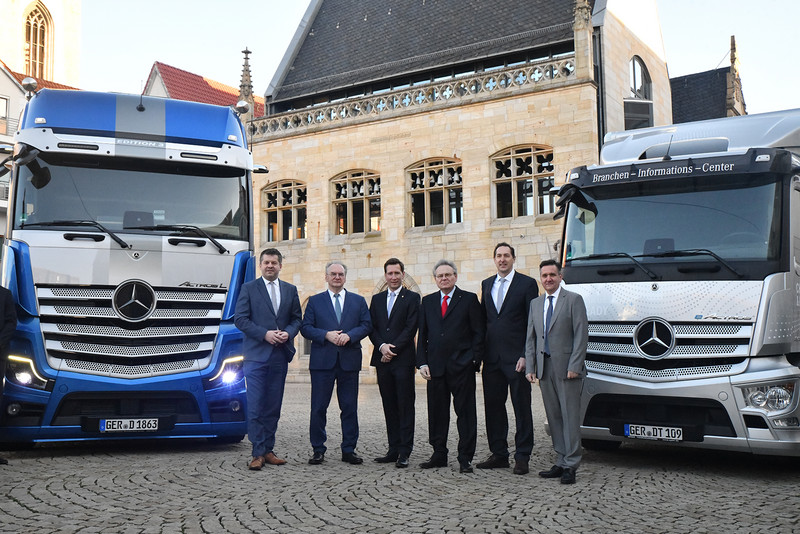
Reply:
x=121, y=39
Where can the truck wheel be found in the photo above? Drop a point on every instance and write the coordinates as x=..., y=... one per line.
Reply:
x=226, y=440
x=600, y=444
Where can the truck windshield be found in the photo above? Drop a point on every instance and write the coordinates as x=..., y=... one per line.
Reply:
x=131, y=196
x=715, y=219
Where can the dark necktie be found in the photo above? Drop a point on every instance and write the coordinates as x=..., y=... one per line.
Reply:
x=548, y=315
x=337, y=307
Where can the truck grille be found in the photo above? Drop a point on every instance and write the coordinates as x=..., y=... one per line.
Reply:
x=700, y=351
x=84, y=333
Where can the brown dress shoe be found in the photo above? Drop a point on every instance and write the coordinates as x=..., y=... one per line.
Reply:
x=257, y=463
x=271, y=459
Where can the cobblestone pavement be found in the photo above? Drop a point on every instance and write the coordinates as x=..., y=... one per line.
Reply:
x=195, y=486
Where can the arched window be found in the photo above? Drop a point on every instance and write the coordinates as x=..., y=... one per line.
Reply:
x=639, y=105
x=284, y=207
x=357, y=202
x=523, y=179
x=436, y=192
x=38, y=36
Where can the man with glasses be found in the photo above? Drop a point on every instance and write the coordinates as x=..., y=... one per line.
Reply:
x=449, y=353
x=335, y=321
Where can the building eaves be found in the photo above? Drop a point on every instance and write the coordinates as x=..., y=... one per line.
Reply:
x=184, y=85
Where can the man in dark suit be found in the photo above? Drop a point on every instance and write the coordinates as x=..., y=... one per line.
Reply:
x=394, y=315
x=506, y=299
x=335, y=321
x=449, y=353
x=8, y=313
x=268, y=312
x=555, y=350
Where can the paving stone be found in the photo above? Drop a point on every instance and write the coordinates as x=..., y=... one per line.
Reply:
x=195, y=486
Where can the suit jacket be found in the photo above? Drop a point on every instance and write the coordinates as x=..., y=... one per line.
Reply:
x=320, y=318
x=452, y=342
x=398, y=329
x=569, y=335
x=506, y=329
x=254, y=315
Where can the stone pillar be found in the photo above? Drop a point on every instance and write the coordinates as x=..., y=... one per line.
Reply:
x=582, y=27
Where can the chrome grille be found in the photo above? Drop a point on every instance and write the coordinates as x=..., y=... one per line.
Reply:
x=83, y=333
x=701, y=350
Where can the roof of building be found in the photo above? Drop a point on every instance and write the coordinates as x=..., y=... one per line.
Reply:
x=184, y=85
x=700, y=96
x=41, y=83
x=343, y=43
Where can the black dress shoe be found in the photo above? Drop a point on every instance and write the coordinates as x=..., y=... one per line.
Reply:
x=435, y=461
x=401, y=462
x=492, y=462
x=317, y=459
x=352, y=458
x=521, y=466
x=554, y=472
x=465, y=467
x=389, y=458
x=568, y=476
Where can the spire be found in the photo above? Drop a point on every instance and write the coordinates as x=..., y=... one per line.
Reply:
x=246, y=85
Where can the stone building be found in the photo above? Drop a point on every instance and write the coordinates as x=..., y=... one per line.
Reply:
x=712, y=94
x=40, y=40
x=428, y=129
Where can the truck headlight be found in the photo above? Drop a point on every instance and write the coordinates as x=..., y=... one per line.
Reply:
x=230, y=371
x=22, y=371
x=771, y=398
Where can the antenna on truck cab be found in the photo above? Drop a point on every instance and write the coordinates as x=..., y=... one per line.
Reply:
x=667, y=157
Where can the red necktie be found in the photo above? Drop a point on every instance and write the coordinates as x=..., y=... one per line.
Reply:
x=444, y=305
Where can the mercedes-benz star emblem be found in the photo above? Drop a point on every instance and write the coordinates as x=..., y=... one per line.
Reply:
x=654, y=338
x=134, y=300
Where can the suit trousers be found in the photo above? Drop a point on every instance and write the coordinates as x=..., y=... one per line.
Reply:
x=498, y=380
x=562, y=404
x=461, y=385
x=322, y=381
x=396, y=384
x=265, y=386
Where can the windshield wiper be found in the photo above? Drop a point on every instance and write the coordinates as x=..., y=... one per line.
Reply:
x=694, y=252
x=182, y=227
x=651, y=274
x=79, y=222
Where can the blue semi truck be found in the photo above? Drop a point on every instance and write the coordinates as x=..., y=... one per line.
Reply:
x=129, y=235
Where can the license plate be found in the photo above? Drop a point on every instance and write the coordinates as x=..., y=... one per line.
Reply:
x=128, y=425
x=661, y=433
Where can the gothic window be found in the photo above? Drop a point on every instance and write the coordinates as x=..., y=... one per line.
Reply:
x=523, y=181
x=37, y=42
x=436, y=192
x=639, y=105
x=284, y=206
x=357, y=202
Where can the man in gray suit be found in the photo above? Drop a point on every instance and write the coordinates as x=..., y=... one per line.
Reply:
x=555, y=350
x=268, y=312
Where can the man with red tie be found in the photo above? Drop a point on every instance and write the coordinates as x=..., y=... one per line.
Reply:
x=449, y=353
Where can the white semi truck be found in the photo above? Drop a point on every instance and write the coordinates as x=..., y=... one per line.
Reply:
x=685, y=245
